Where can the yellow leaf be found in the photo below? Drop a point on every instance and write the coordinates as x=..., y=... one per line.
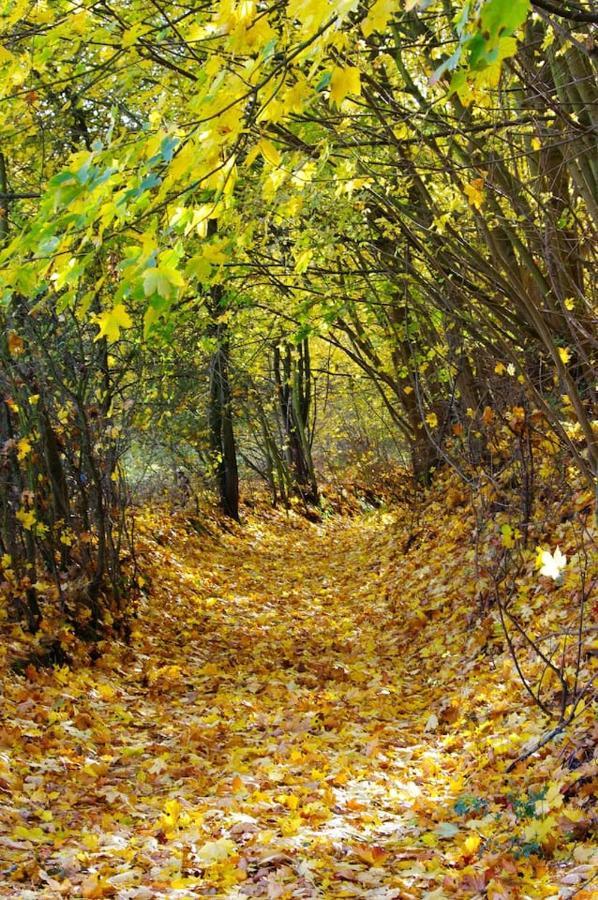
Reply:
x=106, y=691
x=553, y=799
x=288, y=800
x=474, y=192
x=290, y=825
x=564, y=354
x=378, y=16
x=215, y=851
x=344, y=81
x=180, y=882
x=539, y=829
x=161, y=280
x=26, y=518
x=432, y=419
x=429, y=839
x=508, y=536
x=472, y=843
x=93, y=888
x=91, y=841
x=131, y=35
x=111, y=321
x=302, y=261
x=23, y=448
x=270, y=152
x=252, y=155
x=214, y=253
x=35, y=834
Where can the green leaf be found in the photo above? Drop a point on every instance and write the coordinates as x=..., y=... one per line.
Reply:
x=503, y=17
x=156, y=282
x=162, y=280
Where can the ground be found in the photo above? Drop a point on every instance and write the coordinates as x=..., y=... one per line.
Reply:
x=304, y=710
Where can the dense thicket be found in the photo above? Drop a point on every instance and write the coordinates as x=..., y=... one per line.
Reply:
x=261, y=238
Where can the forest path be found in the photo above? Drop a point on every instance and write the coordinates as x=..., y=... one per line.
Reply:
x=241, y=744
x=268, y=733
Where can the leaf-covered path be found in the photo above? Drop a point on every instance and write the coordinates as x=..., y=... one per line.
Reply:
x=274, y=730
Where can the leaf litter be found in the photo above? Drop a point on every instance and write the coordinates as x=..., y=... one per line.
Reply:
x=304, y=710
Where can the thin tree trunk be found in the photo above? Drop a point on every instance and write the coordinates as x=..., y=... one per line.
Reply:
x=220, y=420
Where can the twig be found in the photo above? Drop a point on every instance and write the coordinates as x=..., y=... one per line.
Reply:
x=541, y=743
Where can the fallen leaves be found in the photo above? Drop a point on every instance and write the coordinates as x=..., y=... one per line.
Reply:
x=332, y=725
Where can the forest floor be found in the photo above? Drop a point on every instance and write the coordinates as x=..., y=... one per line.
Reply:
x=303, y=711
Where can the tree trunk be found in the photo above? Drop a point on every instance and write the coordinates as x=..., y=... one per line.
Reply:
x=220, y=420
x=292, y=373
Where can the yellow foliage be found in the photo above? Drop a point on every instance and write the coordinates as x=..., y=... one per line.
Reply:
x=474, y=192
x=111, y=321
x=344, y=81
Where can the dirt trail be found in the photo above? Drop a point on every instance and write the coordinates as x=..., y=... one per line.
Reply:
x=269, y=733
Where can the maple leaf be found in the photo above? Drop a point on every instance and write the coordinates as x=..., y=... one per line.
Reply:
x=162, y=280
x=471, y=844
x=378, y=17
x=26, y=518
x=372, y=855
x=344, y=81
x=215, y=851
x=539, y=829
x=24, y=448
x=111, y=321
x=131, y=35
x=551, y=565
x=475, y=192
